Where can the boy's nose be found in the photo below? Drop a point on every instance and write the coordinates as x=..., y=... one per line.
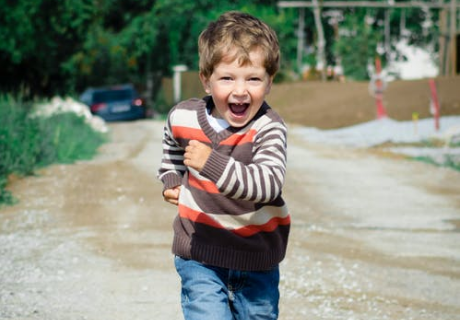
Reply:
x=240, y=88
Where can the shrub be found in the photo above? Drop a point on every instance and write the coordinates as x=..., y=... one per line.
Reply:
x=18, y=135
x=27, y=143
x=65, y=138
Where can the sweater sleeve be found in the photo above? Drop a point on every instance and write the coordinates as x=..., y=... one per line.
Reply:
x=172, y=166
x=260, y=181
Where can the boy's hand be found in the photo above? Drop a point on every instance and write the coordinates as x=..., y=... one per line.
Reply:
x=196, y=154
x=172, y=195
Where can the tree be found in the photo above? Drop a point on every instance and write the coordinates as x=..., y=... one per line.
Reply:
x=362, y=35
x=107, y=57
x=56, y=47
x=356, y=46
x=36, y=37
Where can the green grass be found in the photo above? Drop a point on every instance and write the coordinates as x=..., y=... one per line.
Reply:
x=451, y=163
x=448, y=163
x=28, y=143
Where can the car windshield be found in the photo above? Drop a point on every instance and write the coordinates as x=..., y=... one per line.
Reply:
x=113, y=95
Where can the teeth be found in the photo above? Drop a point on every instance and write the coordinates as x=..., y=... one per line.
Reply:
x=238, y=108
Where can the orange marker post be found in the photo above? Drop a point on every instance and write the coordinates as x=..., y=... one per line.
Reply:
x=434, y=100
x=379, y=88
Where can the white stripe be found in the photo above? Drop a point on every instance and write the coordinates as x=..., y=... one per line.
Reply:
x=221, y=181
x=173, y=157
x=267, y=186
x=257, y=218
x=239, y=177
x=230, y=184
x=232, y=222
x=257, y=178
x=197, y=175
x=172, y=148
x=171, y=166
x=186, y=118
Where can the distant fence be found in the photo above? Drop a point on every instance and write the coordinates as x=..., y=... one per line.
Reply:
x=191, y=87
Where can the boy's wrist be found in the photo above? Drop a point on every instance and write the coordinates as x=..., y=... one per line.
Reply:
x=215, y=166
x=171, y=180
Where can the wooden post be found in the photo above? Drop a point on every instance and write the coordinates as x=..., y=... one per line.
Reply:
x=300, y=39
x=387, y=34
x=453, y=37
x=402, y=23
x=443, y=43
x=321, y=39
x=177, y=81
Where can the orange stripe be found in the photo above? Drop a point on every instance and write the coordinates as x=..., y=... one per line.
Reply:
x=238, y=139
x=267, y=227
x=189, y=133
x=207, y=186
x=200, y=217
x=196, y=216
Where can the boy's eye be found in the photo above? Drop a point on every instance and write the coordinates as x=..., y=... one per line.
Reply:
x=255, y=79
x=226, y=78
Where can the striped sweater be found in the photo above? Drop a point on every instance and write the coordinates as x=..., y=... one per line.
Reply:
x=231, y=214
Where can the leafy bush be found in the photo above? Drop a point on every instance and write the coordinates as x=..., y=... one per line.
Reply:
x=18, y=135
x=65, y=137
x=27, y=143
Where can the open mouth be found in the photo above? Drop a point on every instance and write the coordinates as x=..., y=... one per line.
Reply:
x=238, y=109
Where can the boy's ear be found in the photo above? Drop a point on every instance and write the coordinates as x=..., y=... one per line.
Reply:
x=269, y=86
x=205, y=83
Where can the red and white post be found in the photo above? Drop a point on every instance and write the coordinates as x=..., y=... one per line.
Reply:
x=379, y=88
x=434, y=103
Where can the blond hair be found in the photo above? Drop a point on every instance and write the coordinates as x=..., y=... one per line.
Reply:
x=239, y=34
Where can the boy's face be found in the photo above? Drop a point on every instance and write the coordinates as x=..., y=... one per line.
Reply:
x=238, y=91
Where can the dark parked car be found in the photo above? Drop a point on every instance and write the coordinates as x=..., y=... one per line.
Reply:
x=115, y=103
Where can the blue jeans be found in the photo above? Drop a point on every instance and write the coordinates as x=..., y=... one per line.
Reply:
x=213, y=293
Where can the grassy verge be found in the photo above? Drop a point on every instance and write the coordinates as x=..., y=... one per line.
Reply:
x=449, y=162
x=28, y=143
x=442, y=159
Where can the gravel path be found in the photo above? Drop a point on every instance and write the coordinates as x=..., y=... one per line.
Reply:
x=372, y=238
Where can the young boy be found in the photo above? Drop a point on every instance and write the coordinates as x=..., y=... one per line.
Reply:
x=224, y=164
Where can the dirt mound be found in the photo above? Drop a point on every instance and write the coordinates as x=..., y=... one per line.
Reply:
x=329, y=105
x=333, y=104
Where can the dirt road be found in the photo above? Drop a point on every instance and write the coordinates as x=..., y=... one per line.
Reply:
x=373, y=237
